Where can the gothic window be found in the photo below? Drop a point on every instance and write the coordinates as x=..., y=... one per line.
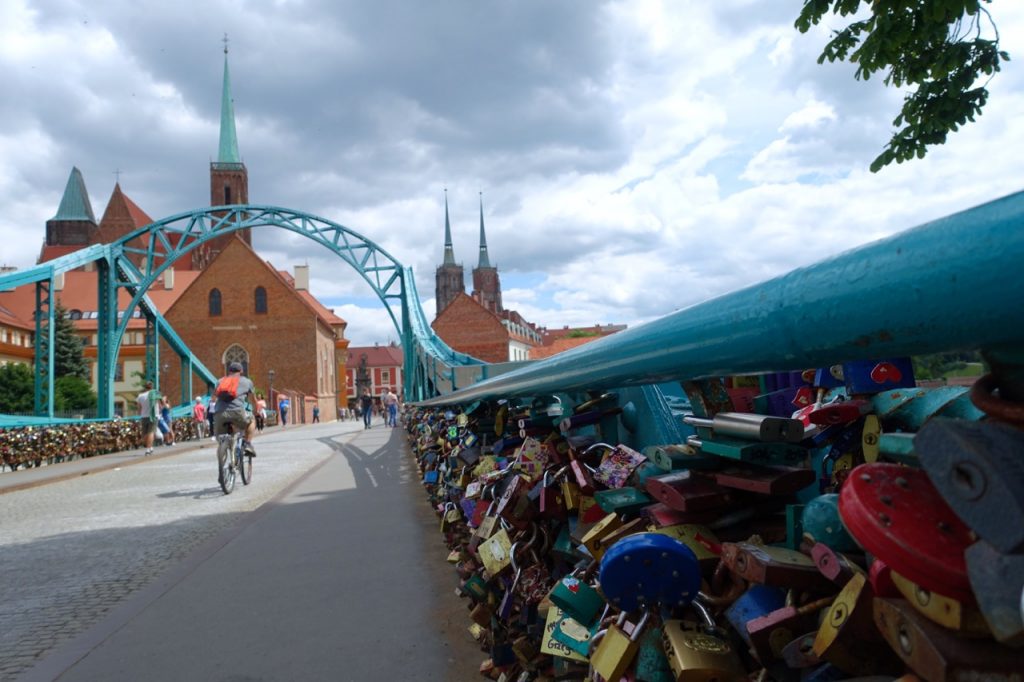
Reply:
x=227, y=195
x=236, y=353
x=261, y=300
x=214, y=302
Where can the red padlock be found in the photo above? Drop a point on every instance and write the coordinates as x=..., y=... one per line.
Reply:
x=840, y=412
x=896, y=513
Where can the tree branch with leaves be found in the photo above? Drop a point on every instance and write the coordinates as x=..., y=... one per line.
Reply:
x=945, y=51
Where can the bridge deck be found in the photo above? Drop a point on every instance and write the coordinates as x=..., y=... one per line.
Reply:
x=341, y=576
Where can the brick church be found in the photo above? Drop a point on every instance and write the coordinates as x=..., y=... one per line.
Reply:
x=227, y=303
x=478, y=324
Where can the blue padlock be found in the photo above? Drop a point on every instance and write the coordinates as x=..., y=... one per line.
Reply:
x=647, y=569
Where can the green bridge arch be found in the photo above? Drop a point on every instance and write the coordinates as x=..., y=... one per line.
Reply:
x=121, y=265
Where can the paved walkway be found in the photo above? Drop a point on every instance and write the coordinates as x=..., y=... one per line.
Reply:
x=339, y=576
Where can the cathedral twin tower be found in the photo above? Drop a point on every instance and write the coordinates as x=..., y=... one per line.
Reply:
x=450, y=277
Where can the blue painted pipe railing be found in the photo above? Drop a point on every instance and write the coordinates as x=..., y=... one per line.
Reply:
x=950, y=284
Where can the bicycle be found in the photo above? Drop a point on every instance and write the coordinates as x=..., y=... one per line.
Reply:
x=236, y=460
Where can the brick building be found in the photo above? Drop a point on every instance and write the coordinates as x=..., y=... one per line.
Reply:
x=376, y=367
x=240, y=309
x=267, y=318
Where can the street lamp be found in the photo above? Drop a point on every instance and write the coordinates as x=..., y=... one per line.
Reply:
x=270, y=395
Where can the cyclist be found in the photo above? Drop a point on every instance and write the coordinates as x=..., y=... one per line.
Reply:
x=232, y=407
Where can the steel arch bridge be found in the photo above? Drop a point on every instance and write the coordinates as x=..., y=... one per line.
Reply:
x=429, y=362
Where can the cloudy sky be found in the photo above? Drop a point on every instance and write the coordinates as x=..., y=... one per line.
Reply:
x=635, y=157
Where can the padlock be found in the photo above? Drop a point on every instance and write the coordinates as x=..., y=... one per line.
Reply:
x=937, y=654
x=962, y=617
x=847, y=637
x=700, y=654
x=612, y=650
x=592, y=538
x=686, y=491
x=495, y=552
x=785, y=454
x=977, y=468
x=625, y=500
x=647, y=569
x=776, y=566
x=700, y=539
x=617, y=466
x=896, y=514
x=764, y=480
x=680, y=456
x=998, y=582
x=820, y=520
x=839, y=412
x=759, y=427
x=570, y=494
x=876, y=376
x=575, y=597
x=833, y=565
x=756, y=601
x=768, y=635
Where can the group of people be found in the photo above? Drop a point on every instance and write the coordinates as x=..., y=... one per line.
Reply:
x=388, y=406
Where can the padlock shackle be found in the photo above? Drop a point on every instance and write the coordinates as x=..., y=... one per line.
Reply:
x=597, y=445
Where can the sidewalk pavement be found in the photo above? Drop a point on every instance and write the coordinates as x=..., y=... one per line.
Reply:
x=341, y=577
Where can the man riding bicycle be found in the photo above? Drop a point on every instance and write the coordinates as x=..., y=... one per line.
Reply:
x=232, y=408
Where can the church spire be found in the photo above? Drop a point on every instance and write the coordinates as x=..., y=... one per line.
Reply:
x=74, y=204
x=449, y=250
x=484, y=260
x=228, y=152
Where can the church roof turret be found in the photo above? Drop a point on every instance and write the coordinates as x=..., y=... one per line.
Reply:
x=74, y=205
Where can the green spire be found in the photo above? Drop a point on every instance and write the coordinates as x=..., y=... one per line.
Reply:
x=484, y=260
x=449, y=251
x=74, y=205
x=228, y=152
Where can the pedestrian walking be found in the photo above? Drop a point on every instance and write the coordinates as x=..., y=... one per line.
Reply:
x=261, y=412
x=366, y=405
x=211, y=407
x=390, y=405
x=316, y=414
x=199, y=418
x=148, y=402
x=282, y=409
x=165, y=422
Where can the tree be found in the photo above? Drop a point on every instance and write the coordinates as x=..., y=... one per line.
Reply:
x=934, y=47
x=73, y=393
x=17, y=388
x=68, y=359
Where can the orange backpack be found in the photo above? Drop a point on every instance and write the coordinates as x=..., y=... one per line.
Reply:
x=227, y=388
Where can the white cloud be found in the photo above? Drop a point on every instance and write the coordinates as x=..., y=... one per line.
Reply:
x=636, y=156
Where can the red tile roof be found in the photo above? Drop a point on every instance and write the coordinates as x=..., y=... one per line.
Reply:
x=376, y=356
x=559, y=346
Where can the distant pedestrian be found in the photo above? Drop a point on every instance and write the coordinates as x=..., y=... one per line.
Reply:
x=390, y=405
x=261, y=412
x=282, y=409
x=149, y=409
x=165, y=422
x=366, y=405
x=199, y=418
x=316, y=414
x=211, y=407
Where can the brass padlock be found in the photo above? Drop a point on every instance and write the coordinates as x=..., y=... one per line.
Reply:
x=962, y=617
x=699, y=653
x=612, y=650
